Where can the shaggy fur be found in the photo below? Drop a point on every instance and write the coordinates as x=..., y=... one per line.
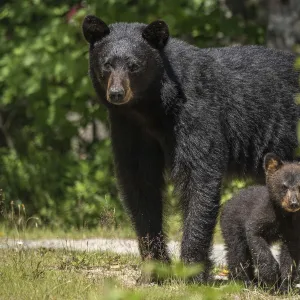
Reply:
x=198, y=113
x=259, y=216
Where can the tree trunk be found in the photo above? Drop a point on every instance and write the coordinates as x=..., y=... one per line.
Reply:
x=281, y=18
x=283, y=31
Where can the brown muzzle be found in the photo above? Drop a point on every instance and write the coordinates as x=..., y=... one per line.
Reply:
x=118, y=88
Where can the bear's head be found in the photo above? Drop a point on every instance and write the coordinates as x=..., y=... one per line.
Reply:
x=283, y=182
x=125, y=60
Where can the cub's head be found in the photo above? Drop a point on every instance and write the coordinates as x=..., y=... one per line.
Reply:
x=283, y=182
x=124, y=58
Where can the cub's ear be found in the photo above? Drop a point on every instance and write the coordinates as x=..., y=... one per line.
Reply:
x=94, y=29
x=156, y=34
x=272, y=163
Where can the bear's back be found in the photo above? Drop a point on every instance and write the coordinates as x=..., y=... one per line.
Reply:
x=248, y=90
x=240, y=61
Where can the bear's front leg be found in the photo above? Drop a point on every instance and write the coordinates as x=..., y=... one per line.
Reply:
x=267, y=266
x=289, y=263
x=139, y=164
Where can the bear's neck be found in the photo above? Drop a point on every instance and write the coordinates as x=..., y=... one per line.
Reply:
x=151, y=119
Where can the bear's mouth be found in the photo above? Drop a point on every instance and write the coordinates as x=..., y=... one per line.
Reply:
x=291, y=209
x=290, y=204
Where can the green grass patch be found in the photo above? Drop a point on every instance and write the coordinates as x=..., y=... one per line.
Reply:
x=66, y=274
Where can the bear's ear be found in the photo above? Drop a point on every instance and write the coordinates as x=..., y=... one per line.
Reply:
x=156, y=34
x=94, y=29
x=272, y=163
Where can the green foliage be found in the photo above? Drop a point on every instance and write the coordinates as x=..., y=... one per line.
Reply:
x=44, y=78
x=232, y=187
x=176, y=270
x=202, y=22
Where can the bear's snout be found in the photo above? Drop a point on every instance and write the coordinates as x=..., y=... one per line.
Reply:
x=118, y=89
x=294, y=203
x=291, y=202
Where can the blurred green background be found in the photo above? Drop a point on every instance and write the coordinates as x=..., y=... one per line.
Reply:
x=55, y=157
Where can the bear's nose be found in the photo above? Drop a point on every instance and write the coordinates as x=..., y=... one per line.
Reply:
x=116, y=95
x=295, y=207
x=294, y=203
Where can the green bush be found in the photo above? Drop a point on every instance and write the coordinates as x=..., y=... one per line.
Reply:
x=44, y=78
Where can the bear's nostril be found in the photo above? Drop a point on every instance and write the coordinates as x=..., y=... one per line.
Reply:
x=116, y=95
x=295, y=205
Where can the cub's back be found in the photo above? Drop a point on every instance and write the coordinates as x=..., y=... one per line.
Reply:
x=239, y=208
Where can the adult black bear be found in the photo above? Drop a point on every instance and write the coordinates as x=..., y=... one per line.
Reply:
x=197, y=113
x=259, y=216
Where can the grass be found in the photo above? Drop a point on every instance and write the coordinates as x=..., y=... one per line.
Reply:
x=66, y=274
x=57, y=274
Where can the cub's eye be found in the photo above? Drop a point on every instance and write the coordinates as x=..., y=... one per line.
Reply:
x=285, y=186
x=133, y=67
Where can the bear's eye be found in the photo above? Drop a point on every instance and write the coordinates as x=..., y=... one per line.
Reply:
x=284, y=186
x=107, y=66
x=133, y=67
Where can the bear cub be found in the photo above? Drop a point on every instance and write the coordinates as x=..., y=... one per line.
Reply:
x=259, y=216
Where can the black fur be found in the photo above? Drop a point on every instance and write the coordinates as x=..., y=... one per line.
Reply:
x=153, y=31
x=94, y=29
x=259, y=216
x=198, y=113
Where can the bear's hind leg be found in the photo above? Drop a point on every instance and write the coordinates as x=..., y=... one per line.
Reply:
x=200, y=197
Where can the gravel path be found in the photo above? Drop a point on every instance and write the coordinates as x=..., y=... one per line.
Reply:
x=120, y=246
